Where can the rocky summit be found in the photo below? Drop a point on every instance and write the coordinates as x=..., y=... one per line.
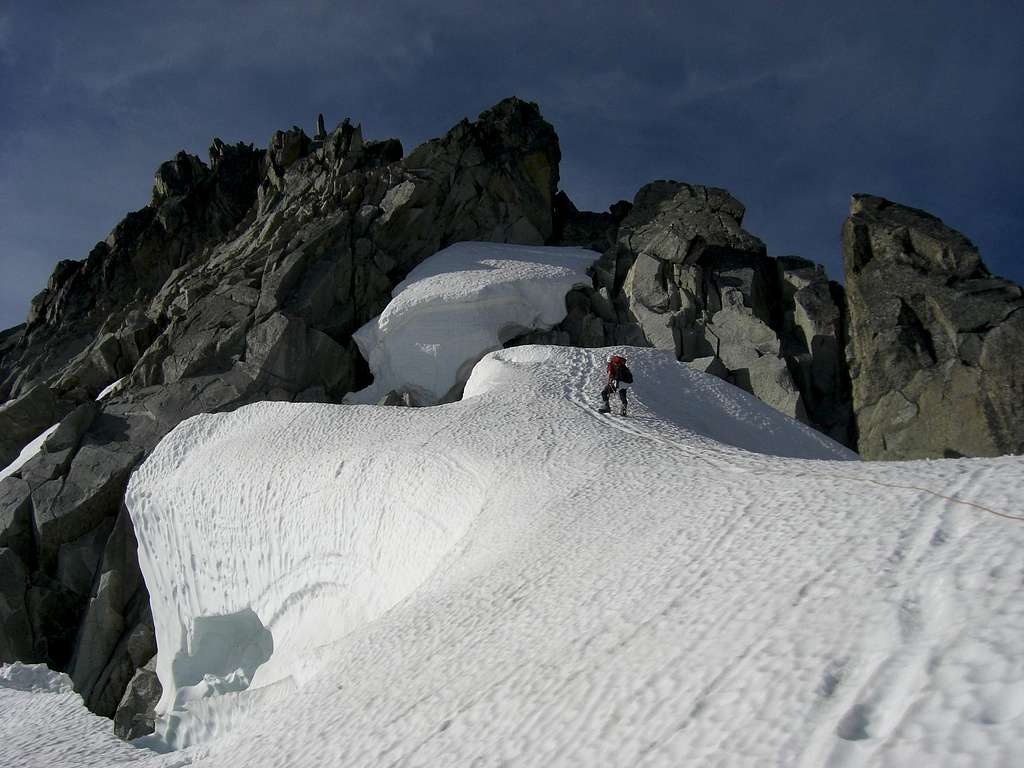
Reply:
x=245, y=277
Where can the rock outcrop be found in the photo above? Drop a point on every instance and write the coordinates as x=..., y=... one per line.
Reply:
x=88, y=327
x=679, y=272
x=935, y=339
x=136, y=713
x=242, y=281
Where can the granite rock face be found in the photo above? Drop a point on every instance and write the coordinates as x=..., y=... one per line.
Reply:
x=679, y=272
x=243, y=280
x=935, y=338
x=136, y=712
x=89, y=315
x=27, y=416
x=15, y=628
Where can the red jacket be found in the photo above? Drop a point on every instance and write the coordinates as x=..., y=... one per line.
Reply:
x=614, y=367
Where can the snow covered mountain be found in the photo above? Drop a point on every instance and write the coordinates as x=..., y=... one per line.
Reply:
x=514, y=578
x=508, y=577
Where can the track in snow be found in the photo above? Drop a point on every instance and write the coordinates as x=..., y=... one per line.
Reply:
x=619, y=592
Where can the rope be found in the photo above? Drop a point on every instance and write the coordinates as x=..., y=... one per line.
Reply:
x=982, y=507
x=953, y=499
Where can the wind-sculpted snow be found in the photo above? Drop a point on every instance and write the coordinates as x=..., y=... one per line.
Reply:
x=269, y=531
x=462, y=302
x=516, y=579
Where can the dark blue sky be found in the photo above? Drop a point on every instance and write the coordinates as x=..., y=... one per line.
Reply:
x=791, y=106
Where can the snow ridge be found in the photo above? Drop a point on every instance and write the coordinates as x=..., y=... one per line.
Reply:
x=517, y=578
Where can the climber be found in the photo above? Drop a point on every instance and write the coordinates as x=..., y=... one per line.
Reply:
x=619, y=379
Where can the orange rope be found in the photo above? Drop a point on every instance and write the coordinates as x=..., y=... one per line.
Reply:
x=953, y=499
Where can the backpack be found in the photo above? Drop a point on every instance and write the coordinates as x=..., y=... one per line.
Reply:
x=622, y=372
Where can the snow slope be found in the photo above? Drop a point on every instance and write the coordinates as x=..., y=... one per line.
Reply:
x=44, y=723
x=515, y=579
x=462, y=302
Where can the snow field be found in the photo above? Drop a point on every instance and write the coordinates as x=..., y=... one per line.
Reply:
x=515, y=579
x=462, y=302
x=44, y=723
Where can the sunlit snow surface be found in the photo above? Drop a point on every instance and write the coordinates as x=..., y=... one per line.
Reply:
x=462, y=302
x=44, y=723
x=515, y=579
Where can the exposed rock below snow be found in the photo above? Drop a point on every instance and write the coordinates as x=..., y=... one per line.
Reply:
x=243, y=280
x=458, y=305
x=935, y=339
x=768, y=379
x=116, y=635
x=136, y=714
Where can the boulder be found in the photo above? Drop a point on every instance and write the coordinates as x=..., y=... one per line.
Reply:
x=136, y=712
x=287, y=147
x=768, y=379
x=685, y=223
x=71, y=428
x=934, y=338
x=711, y=365
x=747, y=281
x=738, y=338
x=44, y=467
x=283, y=352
